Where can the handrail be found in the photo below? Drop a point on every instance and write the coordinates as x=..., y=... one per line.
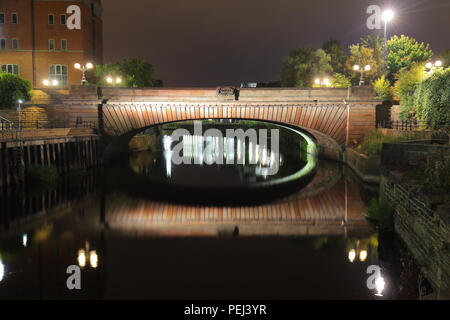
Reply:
x=4, y=119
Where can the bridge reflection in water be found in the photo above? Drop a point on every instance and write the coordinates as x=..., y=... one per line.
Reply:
x=328, y=205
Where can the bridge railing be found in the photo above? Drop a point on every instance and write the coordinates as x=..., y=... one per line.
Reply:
x=410, y=125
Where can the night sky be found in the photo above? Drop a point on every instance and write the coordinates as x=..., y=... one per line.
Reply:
x=210, y=42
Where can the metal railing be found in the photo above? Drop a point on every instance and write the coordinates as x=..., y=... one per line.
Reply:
x=409, y=125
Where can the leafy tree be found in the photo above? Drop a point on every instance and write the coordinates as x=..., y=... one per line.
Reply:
x=303, y=65
x=338, y=80
x=336, y=52
x=382, y=87
x=406, y=85
x=13, y=88
x=376, y=43
x=403, y=52
x=134, y=73
x=361, y=56
x=432, y=98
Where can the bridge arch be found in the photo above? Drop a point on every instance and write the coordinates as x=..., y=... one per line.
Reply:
x=327, y=123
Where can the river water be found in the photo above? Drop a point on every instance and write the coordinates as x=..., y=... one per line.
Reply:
x=146, y=228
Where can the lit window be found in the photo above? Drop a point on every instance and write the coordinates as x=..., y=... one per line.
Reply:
x=3, y=44
x=10, y=68
x=62, y=19
x=51, y=44
x=15, y=44
x=2, y=18
x=63, y=45
x=14, y=18
x=58, y=72
x=51, y=19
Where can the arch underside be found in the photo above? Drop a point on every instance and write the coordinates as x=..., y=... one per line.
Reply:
x=330, y=119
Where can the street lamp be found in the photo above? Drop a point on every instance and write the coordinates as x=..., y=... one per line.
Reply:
x=52, y=83
x=83, y=69
x=387, y=16
x=111, y=80
x=431, y=67
x=83, y=257
x=19, y=109
x=358, y=68
x=322, y=82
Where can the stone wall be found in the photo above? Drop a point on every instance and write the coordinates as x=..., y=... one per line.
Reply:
x=367, y=168
x=410, y=152
x=425, y=232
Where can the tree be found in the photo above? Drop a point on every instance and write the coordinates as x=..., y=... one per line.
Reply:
x=406, y=84
x=403, y=52
x=338, y=80
x=135, y=73
x=382, y=87
x=432, y=99
x=303, y=65
x=13, y=88
x=336, y=52
x=361, y=56
x=376, y=43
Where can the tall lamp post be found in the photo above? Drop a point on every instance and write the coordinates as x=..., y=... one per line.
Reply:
x=84, y=69
x=360, y=68
x=387, y=16
x=19, y=109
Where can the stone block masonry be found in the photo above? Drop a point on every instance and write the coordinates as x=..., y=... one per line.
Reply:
x=423, y=229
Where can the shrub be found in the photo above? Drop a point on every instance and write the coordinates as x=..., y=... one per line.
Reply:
x=13, y=88
x=406, y=85
x=382, y=87
x=432, y=99
x=340, y=81
x=373, y=142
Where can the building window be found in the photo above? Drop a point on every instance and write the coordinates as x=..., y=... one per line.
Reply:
x=51, y=44
x=15, y=44
x=63, y=45
x=10, y=68
x=14, y=18
x=3, y=44
x=2, y=18
x=62, y=18
x=51, y=19
x=59, y=72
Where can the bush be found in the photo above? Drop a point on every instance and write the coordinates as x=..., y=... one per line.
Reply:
x=380, y=214
x=406, y=85
x=382, y=87
x=340, y=81
x=432, y=99
x=13, y=88
x=373, y=142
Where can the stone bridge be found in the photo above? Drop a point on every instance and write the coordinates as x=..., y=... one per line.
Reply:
x=335, y=117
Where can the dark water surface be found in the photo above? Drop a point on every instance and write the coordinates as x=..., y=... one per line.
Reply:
x=133, y=242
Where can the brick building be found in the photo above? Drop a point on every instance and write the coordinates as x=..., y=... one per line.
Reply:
x=37, y=44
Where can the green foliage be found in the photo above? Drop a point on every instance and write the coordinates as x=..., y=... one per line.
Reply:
x=445, y=58
x=13, y=88
x=135, y=73
x=382, y=87
x=437, y=172
x=380, y=214
x=337, y=56
x=432, y=98
x=303, y=65
x=373, y=142
x=403, y=52
x=339, y=80
x=406, y=85
x=361, y=56
x=376, y=43
x=37, y=174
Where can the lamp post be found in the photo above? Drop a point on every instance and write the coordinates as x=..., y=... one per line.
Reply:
x=111, y=80
x=83, y=69
x=323, y=82
x=19, y=109
x=360, y=68
x=387, y=16
x=431, y=67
